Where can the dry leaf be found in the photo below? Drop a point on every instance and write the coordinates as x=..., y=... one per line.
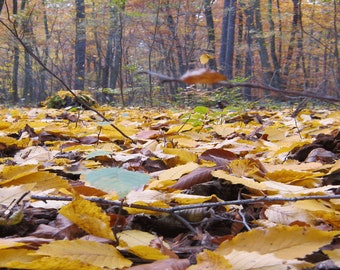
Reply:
x=88, y=216
x=202, y=75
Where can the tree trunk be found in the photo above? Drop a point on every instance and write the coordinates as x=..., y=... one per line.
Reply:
x=28, y=93
x=228, y=38
x=336, y=45
x=264, y=57
x=80, y=46
x=109, y=50
x=291, y=43
x=248, y=72
x=172, y=27
x=277, y=67
x=14, y=96
x=118, y=50
x=2, y=2
x=211, y=33
x=239, y=56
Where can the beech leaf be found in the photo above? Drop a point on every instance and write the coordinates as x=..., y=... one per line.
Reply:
x=202, y=75
x=285, y=242
x=197, y=176
x=93, y=253
x=116, y=179
x=88, y=216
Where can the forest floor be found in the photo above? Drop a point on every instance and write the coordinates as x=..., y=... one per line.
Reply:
x=185, y=189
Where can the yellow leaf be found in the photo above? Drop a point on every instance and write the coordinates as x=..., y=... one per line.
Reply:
x=334, y=255
x=243, y=260
x=43, y=180
x=335, y=168
x=14, y=255
x=285, y=242
x=275, y=133
x=250, y=183
x=9, y=141
x=184, y=156
x=7, y=243
x=148, y=253
x=53, y=263
x=320, y=210
x=204, y=58
x=177, y=172
x=224, y=129
x=98, y=254
x=306, y=179
x=184, y=141
x=131, y=238
x=251, y=168
x=179, y=128
x=137, y=242
x=211, y=260
x=88, y=216
x=190, y=199
x=18, y=171
x=287, y=214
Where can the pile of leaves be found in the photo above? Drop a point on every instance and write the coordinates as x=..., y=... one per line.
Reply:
x=65, y=99
x=196, y=189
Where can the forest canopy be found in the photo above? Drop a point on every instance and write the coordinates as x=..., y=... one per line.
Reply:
x=100, y=46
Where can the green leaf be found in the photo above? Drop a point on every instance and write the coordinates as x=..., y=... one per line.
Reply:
x=98, y=153
x=201, y=109
x=116, y=179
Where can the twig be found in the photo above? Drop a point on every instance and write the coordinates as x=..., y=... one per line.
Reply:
x=252, y=85
x=244, y=221
x=172, y=210
x=191, y=206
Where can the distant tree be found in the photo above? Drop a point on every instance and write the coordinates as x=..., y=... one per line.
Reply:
x=249, y=63
x=2, y=2
x=228, y=38
x=14, y=93
x=80, y=46
x=211, y=32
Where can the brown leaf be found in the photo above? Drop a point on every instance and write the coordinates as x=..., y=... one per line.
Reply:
x=169, y=264
x=218, y=155
x=197, y=176
x=202, y=75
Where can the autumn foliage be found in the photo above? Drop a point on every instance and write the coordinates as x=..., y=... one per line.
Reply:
x=195, y=189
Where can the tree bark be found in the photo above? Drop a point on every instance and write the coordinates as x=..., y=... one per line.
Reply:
x=28, y=93
x=211, y=32
x=336, y=44
x=291, y=43
x=228, y=38
x=2, y=2
x=272, y=42
x=248, y=71
x=14, y=96
x=80, y=46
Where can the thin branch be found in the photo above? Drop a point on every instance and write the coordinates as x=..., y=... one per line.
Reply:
x=228, y=84
x=170, y=210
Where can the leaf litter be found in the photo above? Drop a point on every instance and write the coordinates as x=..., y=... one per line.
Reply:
x=197, y=189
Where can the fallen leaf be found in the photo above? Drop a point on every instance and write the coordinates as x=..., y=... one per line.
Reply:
x=202, y=76
x=88, y=216
x=285, y=242
x=211, y=260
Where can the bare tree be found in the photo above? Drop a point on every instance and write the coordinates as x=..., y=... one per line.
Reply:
x=80, y=46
